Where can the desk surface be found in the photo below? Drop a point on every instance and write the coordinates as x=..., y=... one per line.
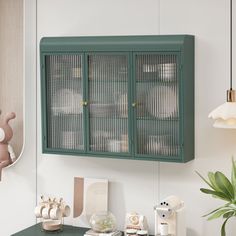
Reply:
x=36, y=230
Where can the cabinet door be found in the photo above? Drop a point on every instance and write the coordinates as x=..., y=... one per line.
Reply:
x=63, y=100
x=157, y=110
x=108, y=103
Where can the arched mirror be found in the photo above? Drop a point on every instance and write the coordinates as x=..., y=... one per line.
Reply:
x=11, y=81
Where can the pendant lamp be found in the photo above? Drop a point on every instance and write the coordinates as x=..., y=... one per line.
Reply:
x=224, y=116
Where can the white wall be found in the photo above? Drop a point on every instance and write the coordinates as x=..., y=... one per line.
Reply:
x=139, y=185
x=18, y=186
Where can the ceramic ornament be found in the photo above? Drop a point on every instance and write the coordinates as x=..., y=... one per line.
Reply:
x=52, y=213
x=135, y=223
x=7, y=155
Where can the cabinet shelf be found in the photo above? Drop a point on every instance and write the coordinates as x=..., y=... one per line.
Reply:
x=157, y=119
x=107, y=81
x=103, y=93
x=60, y=77
x=109, y=117
x=157, y=81
x=67, y=115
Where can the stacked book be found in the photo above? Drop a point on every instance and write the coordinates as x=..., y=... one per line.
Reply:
x=93, y=233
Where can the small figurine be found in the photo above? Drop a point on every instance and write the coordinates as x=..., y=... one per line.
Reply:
x=136, y=224
x=7, y=155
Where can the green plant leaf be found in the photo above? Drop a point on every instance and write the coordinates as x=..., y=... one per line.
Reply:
x=223, y=227
x=217, y=209
x=218, y=214
x=233, y=176
x=216, y=194
x=207, y=182
x=224, y=184
x=211, y=177
x=229, y=214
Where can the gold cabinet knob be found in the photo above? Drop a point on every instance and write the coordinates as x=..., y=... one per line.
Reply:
x=84, y=103
x=134, y=104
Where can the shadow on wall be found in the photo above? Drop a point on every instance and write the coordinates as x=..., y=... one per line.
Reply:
x=117, y=189
x=191, y=232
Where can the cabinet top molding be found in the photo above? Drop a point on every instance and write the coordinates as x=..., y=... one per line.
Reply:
x=119, y=43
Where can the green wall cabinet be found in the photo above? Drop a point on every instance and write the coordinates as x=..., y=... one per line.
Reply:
x=129, y=97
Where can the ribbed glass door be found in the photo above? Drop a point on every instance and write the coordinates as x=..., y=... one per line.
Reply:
x=157, y=105
x=108, y=103
x=64, y=99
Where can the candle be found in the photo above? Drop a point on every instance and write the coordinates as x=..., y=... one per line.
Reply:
x=164, y=228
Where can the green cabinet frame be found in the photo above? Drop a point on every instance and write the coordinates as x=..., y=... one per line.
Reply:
x=125, y=52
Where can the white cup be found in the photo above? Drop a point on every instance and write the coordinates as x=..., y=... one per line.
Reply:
x=164, y=229
x=66, y=211
x=167, y=71
x=55, y=213
x=38, y=211
x=46, y=212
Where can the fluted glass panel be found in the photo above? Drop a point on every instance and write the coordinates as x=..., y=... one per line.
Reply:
x=64, y=96
x=157, y=109
x=108, y=103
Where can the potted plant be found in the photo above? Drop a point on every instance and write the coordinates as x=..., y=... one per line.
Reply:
x=221, y=187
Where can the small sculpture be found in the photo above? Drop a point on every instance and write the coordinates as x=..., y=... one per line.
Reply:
x=7, y=155
x=136, y=224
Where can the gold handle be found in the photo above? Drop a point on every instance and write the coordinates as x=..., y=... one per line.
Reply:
x=84, y=103
x=134, y=104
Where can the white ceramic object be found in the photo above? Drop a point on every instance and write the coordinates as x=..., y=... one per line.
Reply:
x=46, y=212
x=131, y=231
x=135, y=221
x=167, y=71
x=142, y=233
x=55, y=213
x=157, y=144
x=150, y=68
x=2, y=135
x=76, y=72
x=67, y=101
x=122, y=105
x=114, y=145
x=38, y=211
x=66, y=211
x=164, y=229
x=100, y=140
x=124, y=143
x=162, y=102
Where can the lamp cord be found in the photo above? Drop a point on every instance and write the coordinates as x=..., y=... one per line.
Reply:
x=231, y=46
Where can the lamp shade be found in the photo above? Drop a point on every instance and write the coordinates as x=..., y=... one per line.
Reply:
x=224, y=116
